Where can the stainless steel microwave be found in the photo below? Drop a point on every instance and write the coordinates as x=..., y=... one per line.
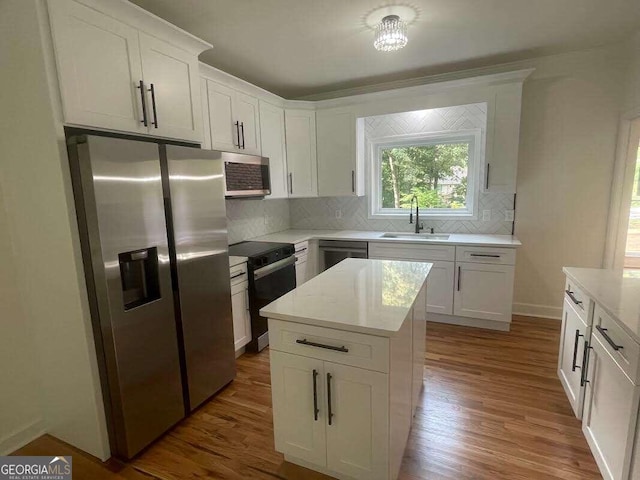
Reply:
x=246, y=175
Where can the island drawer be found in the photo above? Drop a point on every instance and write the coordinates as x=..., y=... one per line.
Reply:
x=578, y=300
x=624, y=350
x=501, y=256
x=346, y=348
x=411, y=251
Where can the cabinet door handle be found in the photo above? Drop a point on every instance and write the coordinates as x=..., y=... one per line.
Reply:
x=153, y=105
x=291, y=183
x=609, y=340
x=330, y=412
x=575, y=351
x=237, y=124
x=573, y=298
x=353, y=181
x=484, y=255
x=242, y=128
x=459, y=272
x=238, y=275
x=487, y=180
x=304, y=341
x=585, y=364
x=144, y=120
x=315, y=396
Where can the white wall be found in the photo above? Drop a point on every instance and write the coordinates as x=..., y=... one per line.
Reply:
x=20, y=410
x=632, y=81
x=40, y=219
x=570, y=113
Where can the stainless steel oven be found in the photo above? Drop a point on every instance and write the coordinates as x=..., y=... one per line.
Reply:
x=334, y=251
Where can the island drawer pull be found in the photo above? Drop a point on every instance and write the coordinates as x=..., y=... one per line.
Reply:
x=573, y=298
x=315, y=396
x=486, y=255
x=304, y=341
x=238, y=275
x=575, y=351
x=329, y=398
x=603, y=331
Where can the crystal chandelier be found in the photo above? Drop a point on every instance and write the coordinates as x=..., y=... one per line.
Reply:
x=391, y=34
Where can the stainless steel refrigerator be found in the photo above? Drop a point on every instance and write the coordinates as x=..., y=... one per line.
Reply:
x=153, y=233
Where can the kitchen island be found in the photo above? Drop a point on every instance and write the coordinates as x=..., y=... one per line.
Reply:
x=347, y=362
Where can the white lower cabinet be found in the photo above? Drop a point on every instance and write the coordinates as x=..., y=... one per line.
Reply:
x=484, y=291
x=574, y=340
x=610, y=412
x=302, y=255
x=331, y=415
x=240, y=306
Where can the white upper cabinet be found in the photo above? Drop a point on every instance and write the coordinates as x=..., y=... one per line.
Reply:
x=172, y=81
x=272, y=138
x=501, y=161
x=99, y=68
x=300, y=128
x=234, y=120
x=340, y=173
x=247, y=113
x=109, y=56
x=224, y=134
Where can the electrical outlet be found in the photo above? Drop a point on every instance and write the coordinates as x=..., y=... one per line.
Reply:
x=508, y=215
x=338, y=213
x=486, y=215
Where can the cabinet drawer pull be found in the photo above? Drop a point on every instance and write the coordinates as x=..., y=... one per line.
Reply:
x=238, y=275
x=315, y=396
x=486, y=255
x=585, y=364
x=459, y=272
x=153, y=105
x=304, y=341
x=291, y=183
x=573, y=298
x=353, y=181
x=487, y=180
x=603, y=331
x=144, y=120
x=330, y=412
x=301, y=250
x=575, y=351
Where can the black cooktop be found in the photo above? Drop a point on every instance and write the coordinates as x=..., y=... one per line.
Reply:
x=253, y=250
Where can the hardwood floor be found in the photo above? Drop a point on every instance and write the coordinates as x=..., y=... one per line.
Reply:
x=492, y=408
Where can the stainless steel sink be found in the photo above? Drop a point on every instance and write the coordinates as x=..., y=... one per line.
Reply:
x=417, y=236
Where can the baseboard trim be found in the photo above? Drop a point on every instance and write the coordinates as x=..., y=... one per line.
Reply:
x=20, y=437
x=541, y=311
x=469, y=322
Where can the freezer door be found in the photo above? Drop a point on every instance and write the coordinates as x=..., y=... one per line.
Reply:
x=199, y=223
x=118, y=190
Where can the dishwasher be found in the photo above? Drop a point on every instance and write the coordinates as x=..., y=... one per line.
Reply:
x=334, y=251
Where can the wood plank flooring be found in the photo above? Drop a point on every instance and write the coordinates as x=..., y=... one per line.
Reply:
x=492, y=408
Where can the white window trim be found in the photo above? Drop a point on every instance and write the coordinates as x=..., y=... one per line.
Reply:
x=374, y=185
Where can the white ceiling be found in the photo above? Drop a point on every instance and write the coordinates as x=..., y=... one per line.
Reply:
x=302, y=47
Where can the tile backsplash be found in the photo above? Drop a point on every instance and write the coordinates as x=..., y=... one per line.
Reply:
x=318, y=213
x=248, y=218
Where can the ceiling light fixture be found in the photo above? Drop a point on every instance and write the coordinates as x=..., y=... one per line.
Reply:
x=391, y=34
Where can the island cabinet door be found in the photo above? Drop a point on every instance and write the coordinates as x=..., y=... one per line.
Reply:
x=357, y=421
x=299, y=407
x=571, y=357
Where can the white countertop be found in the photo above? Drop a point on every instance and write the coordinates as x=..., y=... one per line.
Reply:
x=357, y=295
x=617, y=292
x=295, y=236
x=233, y=260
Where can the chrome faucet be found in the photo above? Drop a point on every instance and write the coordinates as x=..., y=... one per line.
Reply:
x=419, y=226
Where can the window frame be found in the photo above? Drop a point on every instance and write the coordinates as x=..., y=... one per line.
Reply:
x=374, y=186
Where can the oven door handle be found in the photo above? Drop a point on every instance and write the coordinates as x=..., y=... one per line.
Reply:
x=343, y=249
x=274, y=267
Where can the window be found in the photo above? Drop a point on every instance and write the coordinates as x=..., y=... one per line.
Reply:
x=439, y=169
